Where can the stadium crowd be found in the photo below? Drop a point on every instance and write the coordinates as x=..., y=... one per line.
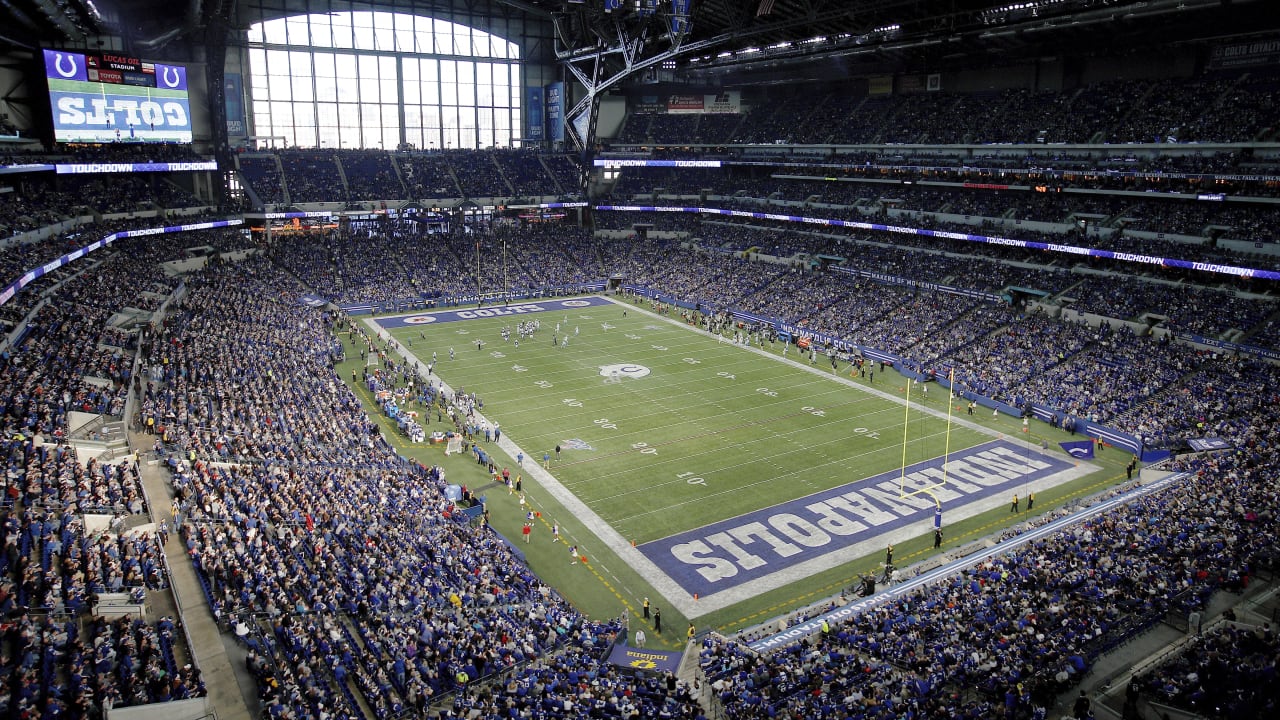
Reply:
x=1018, y=629
x=378, y=175
x=1209, y=108
x=354, y=582
x=1008, y=636
x=314, y=548
x=1089, y=373
x=327, y=601
x=60, y=659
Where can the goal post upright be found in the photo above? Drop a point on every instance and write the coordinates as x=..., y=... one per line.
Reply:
x=906, y=433
x=906, y=427
x=946, y=452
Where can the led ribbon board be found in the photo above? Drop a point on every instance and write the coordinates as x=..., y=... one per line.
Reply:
x=1030, y=244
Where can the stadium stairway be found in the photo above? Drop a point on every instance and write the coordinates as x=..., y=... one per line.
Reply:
x=255, y=200
x=232, y=690
x=395, y=168
x=1107, y=678
x=1260, y=327
x=342, y=175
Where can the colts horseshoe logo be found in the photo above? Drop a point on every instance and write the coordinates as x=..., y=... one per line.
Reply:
x=176, y=77
x=57, y=65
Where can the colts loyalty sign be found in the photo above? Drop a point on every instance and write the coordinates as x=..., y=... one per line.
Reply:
x=822, y=529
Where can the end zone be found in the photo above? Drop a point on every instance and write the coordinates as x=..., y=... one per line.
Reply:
x=732, y=560
x=443, y=316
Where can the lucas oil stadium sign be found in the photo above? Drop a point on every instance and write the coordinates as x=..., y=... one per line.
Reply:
x=771, y=547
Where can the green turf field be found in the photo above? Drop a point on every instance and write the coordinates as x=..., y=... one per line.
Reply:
x=710, y=432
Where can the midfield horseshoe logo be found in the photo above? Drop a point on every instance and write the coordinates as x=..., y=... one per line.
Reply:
x=624, y=370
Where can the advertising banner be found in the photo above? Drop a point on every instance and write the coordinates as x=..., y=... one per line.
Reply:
x=92, y=168
x=1206, y=444
x=1234, y=270
x=911, y=84
x=533, y=106
x=895, y=280
x=641, y=659
x=649, y=104
x=233, y=88
x=1230, y=346
x=555, y=111
x=34, y=274
x=680, y=16
x=1245, y=54
x=729, y=101
x=685, y=103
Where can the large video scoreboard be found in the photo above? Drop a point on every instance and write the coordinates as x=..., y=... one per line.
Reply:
x=108, y=97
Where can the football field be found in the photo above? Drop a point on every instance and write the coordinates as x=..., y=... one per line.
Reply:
x=718, y=471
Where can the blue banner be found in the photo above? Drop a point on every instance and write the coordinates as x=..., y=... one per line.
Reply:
x=233, y=89
x=1155, y=456
x=555, y=112
x=1078, y=449
x=534, y=109
x=1231, y=347
x=641, y=659
x=750, y=317
x=907, y=282
x=1111, y=436
x=650, y=104
x=171, y=77
x=1206, y=444
x=631, y=162
x=680, y=16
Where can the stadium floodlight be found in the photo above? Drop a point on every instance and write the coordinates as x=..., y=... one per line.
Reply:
x=92, y=9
